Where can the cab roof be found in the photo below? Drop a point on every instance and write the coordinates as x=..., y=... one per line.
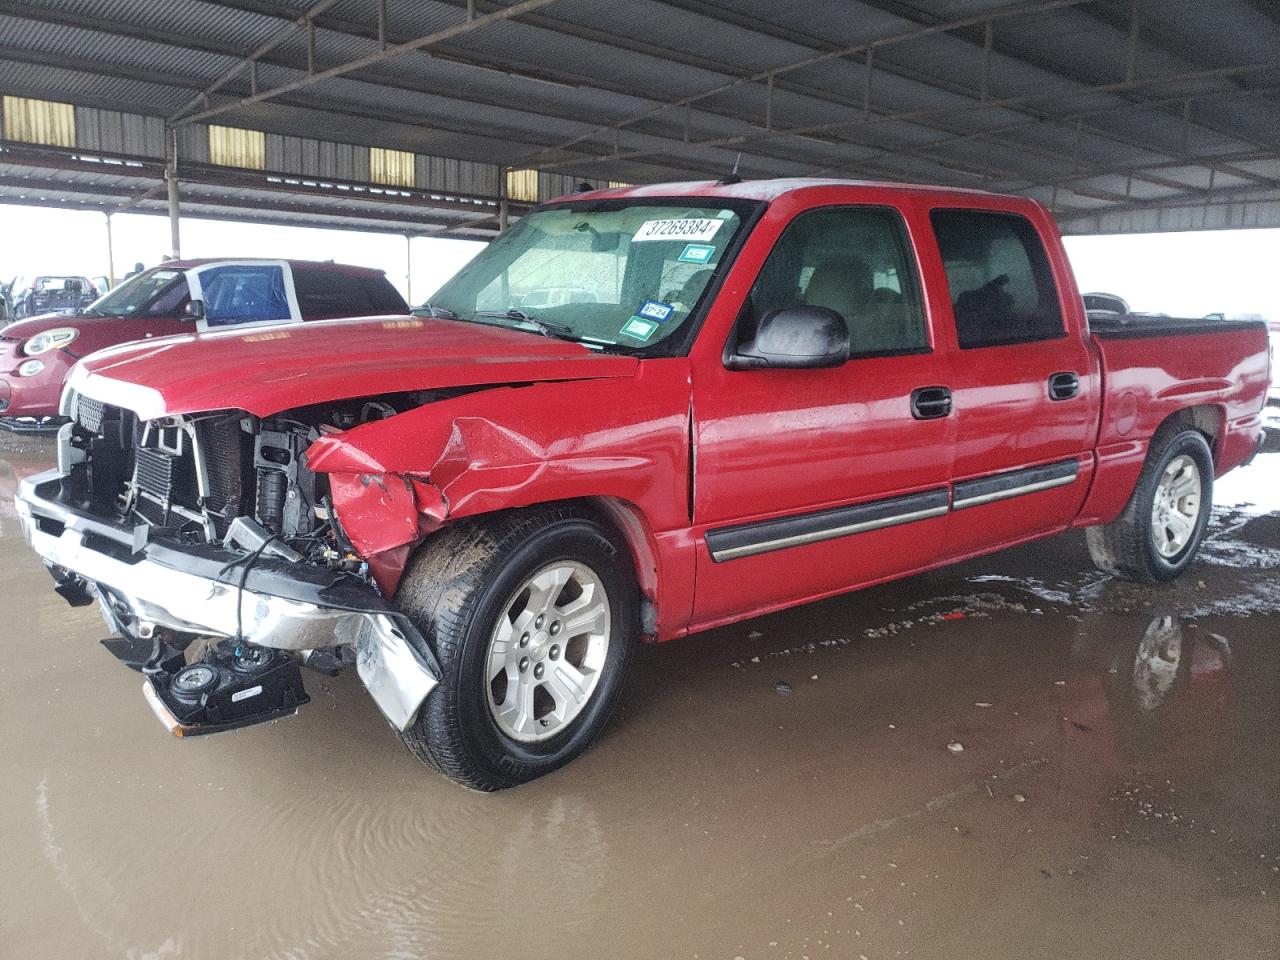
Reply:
x=347, y=268
x=766, y=190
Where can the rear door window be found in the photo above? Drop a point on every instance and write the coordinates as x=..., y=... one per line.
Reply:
x=330, y=293
x=383, y=297
x=998, y=275
x=325, y=294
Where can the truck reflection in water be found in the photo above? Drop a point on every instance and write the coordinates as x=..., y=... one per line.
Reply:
x=1159, y=680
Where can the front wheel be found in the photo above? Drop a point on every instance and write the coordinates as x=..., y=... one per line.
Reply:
x=532, y=615
x=1157, y=535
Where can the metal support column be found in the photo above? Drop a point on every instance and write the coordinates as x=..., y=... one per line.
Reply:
x=111, y=256
x=503, y=211
x=171, y=181
x=408, y=269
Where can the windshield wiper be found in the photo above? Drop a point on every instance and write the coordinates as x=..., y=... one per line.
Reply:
x=434, y=312
x=544, y=327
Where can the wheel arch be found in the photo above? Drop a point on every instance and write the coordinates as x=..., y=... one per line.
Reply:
x=1207, y=418
x=1120, y=464
x=630, y=528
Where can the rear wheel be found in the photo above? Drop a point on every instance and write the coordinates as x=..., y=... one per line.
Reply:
x=532, y=615
x=1157, y=535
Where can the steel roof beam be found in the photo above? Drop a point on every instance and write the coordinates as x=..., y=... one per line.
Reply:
x=189, y=83
x=816, y=58
x=593, y=35
x=930, y=24
x=977, y=106
x=268, y=7
x=274, y=10
x=1125, y=106
x=418, y=43
x=306, y=21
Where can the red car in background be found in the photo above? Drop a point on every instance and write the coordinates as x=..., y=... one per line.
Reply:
x=183, y=296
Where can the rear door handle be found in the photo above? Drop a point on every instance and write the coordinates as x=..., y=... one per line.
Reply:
x=1063, y=386
x=930, y=403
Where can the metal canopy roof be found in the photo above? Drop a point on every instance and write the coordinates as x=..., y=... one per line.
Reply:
x=1119, y=114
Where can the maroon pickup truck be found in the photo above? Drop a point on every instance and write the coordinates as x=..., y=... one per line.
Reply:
x=732, y=398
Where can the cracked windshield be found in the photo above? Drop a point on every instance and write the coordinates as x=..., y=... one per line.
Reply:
x=610, y=274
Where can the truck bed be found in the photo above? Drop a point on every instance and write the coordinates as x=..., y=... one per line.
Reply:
x=1138, y=327
x=1153, y=367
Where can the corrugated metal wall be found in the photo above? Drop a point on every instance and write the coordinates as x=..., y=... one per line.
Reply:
x=522, y=185
x=552, y=185
x=393, y=168
x=235, y=147
x=317, y=158
x=1257, y=210
x=457, y=176
x=193, y=143
x=113, y=132
x=135, y=135
x=45, y=122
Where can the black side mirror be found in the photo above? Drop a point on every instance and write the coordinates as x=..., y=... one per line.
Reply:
x=193, y=310
x=798, y=337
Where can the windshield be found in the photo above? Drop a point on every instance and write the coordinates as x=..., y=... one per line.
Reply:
x=158, y=291
x=615, y=272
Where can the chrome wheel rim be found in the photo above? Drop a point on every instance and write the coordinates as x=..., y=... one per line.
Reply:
x=1176, y=506
x=547, y=651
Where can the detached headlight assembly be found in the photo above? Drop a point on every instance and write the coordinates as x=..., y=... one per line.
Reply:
x=54, y=339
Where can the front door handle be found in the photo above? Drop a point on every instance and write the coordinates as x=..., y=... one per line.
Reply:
x=930, y=403
x=1063, y=386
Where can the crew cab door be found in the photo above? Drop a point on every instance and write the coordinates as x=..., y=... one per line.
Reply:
x=808, y=482
x=1023, y=380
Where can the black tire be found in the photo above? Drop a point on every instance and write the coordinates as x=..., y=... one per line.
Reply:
x=1127, y=546
x=455, y=588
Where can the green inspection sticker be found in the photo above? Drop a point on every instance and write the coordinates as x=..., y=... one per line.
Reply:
x=639, y=328
x=697, y=253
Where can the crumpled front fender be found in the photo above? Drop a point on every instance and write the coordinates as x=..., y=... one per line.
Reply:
x=394, y=481
x=384, y=515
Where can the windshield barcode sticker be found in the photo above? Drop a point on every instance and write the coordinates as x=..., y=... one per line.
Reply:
x=687, y=228
x=639, y=328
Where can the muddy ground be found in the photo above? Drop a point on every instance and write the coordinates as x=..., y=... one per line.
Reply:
x=779, y=789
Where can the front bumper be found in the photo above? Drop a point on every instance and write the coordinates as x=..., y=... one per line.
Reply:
x=196, y=590
x=34, y=396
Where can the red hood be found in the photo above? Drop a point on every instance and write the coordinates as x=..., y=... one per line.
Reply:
x=264, y=370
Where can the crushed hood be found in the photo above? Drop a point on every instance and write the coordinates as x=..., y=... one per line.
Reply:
x=264, y=370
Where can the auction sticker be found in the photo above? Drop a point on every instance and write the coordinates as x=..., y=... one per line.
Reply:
x=686, y=228
x=639, y=328
x=655, y=310
x=697, y=253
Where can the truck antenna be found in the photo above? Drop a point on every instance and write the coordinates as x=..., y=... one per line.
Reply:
x=733, y=177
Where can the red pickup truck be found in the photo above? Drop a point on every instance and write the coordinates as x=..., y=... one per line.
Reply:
x=750, y=395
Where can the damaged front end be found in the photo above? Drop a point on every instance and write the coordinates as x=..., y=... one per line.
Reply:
x=219, y=559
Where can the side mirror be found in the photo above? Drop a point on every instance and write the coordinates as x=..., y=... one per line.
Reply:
x=193, y=310
x=798, y=337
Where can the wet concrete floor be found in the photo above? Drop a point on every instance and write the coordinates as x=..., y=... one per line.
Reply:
x=1117, y=794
